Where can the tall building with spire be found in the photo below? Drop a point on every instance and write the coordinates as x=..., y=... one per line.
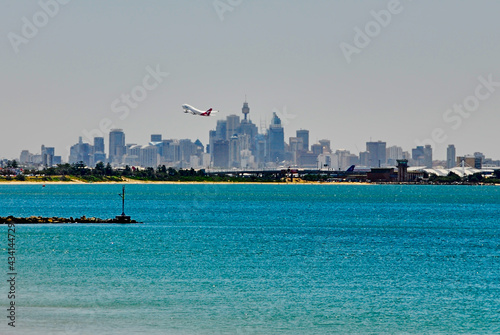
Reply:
x=234, y=139
x=245, y=110
x=81, y=153
x=248, y=128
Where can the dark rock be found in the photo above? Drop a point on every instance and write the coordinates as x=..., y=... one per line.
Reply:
x=38, y=219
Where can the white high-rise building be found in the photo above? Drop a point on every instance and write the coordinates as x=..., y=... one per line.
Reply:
x=149, y=156
x=393, y=154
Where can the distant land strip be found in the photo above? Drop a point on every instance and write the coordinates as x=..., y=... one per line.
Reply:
x=79, y=173
x=40, y=219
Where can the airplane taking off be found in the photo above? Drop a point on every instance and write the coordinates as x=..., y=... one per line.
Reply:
x=190, y=109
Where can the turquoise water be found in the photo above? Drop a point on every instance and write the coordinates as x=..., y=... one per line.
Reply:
x=256, y=259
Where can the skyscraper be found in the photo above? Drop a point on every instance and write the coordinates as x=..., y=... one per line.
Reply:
x=148, y=156
x=377, y=153
x=156, y=138
x=234, y=151
x=326, y=145
x=171, y=151
x=117, y=147
x=260, y=149
x=221, y=153
x=304, y=135
x=296, y=146
x=81, y=153
x=98, y=154
x=393, y=154
x=364, y=158
x=25, y=157
x=187, y=149
x=48, y=155
x=479, y=159
x=133, y=155
x=233, y=125
x=276, y=136
x=451, y=155
x=428, y=156
x=221, y=130
x=99, y=144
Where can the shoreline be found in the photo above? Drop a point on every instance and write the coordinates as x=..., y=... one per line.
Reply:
x=140, y=182
x=168, y=183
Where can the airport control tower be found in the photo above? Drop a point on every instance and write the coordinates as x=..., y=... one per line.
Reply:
x=402, y=170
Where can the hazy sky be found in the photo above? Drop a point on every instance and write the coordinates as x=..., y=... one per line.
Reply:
x=73, y=71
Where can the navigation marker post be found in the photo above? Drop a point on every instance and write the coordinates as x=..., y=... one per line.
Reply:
x=123, y=218
x=122, y=195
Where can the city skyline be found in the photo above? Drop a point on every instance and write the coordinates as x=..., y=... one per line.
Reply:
x=420, y=73
x=86, y=136
x=236, y=142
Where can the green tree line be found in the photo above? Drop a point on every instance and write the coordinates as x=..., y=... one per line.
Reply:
x=102, y=172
